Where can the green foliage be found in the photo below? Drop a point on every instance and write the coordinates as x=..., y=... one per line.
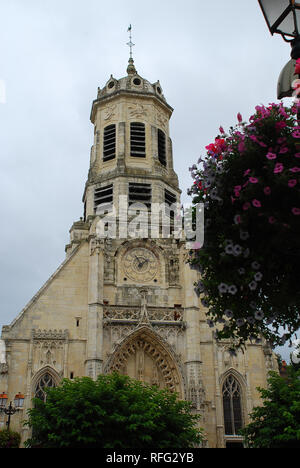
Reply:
x=249, y=185
x=277, y=423
x=113, y=412
x=9, y=439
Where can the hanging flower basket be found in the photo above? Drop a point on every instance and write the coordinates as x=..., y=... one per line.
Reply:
x=249, y=264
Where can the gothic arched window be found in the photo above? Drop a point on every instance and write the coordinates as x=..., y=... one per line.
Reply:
x=232, y=406
x=46, y=381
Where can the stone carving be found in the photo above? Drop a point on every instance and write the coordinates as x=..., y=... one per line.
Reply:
x=195, y=388
x=48, y=349
x=109, y=112
x=132, y=313
x=162, y=120
x=109, y=262
x=138, y=111
x=96, y=246
x=3, y=368
x=144, y=317
x=144, y=357
x=174, y=271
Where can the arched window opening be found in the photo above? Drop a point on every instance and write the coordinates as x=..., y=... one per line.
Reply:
x=46, y=381
x=232, y=406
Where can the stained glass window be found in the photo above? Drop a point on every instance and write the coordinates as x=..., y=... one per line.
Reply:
x=46, y=381
x=232, y=406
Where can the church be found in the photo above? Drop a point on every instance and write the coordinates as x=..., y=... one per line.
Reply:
x=127, y=303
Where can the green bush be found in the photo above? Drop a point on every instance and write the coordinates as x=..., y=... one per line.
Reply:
x=9, y=439
x=113, y=412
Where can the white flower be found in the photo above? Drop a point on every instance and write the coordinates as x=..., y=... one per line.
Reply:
x=253, y=285
x=259, y=315
x=237, y=250
x=258, y=276
x=223, y=288
x=255, y=265
x=244, y=235
x=228, y=313
x=229, y=249
x=232, y=289
x=240, y=322
x=251, y=320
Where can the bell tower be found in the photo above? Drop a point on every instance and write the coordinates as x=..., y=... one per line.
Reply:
x=132, y=150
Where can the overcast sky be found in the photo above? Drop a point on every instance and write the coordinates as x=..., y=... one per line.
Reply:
x=213, y=59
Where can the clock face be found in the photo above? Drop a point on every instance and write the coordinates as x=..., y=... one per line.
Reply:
x=140, y=265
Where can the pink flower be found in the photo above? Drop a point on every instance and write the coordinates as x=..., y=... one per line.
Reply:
x=283, y=150
x=241, y=147
x=254, y=138
x=272, y=220
x=295, y=169
x=292, y=182
x=280, y=125
x=278, y=168
x=237, y=219
x=238, y=188
x=267, y=191
x=253, y=180
x=296, y=134
x=222, y=130
x=246, y=206
x=271, y=156
x=239, y=117
x=248, y=171
x=296, y=211
x=256, y=203
x=297, y=155
x=297, y=67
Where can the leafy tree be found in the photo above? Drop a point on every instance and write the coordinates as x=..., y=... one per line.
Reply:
x=112, y=412
x=277, y=423
x=9, y=439
x=249, y=263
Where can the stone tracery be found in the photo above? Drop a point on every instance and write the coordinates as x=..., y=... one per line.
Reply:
x=144, y=356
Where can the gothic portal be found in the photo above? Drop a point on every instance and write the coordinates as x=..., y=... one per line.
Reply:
x=127, y=303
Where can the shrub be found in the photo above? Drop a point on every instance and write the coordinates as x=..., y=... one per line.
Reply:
x=9, y=439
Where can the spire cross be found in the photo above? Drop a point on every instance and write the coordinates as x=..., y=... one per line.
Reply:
x=130, y=43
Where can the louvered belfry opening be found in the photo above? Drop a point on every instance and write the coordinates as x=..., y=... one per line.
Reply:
x=170, y=199
x=161, y=140
x=103, y=195
x=140, y=193
x=137, y=140
x=109, y=143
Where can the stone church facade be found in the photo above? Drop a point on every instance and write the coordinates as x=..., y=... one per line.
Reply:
x=127, y=304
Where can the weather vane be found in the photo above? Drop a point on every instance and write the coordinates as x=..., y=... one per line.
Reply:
x=130, y=43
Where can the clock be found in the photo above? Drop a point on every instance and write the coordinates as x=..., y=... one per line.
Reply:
x=140, y=265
